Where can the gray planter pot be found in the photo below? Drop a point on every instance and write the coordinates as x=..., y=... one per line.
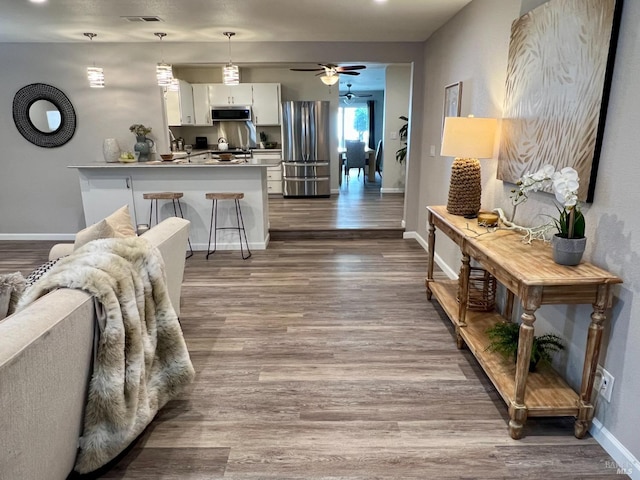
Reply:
x=568, y=251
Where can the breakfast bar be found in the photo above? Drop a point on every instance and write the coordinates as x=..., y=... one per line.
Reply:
x=108, y=186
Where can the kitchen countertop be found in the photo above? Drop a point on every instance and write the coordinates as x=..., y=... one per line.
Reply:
x=251, y=162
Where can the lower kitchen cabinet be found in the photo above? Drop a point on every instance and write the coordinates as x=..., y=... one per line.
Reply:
x=274, y=174
x=101, y=196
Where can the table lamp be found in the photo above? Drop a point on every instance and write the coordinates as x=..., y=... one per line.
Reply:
x=467, y=139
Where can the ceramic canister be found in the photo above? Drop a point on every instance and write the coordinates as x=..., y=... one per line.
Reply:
x=110, y=150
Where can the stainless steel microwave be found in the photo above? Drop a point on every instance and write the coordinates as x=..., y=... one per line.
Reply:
x=231, y=114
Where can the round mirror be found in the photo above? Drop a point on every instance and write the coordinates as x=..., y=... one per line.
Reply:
x=44, y=115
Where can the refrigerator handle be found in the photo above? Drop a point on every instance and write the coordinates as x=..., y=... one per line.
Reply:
x=307, y=133
x=303, y=143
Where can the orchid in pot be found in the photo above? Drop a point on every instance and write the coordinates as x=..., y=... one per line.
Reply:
x=570, y=241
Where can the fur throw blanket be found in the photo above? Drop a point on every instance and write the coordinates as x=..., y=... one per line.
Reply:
x=141, y=359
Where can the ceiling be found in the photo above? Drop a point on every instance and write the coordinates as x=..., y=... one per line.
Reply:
x=55, y=21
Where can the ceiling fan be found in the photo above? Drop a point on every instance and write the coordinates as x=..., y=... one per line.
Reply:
x=330, y=69
x=349, y=95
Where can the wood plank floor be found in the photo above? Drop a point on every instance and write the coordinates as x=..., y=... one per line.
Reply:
x=324, y=360
x=357, y=206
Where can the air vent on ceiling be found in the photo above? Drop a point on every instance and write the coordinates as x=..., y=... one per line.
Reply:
x=135, y=19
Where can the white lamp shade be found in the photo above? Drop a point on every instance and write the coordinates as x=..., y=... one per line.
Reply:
x=96, y=77
x=330, y=79
x=164, y=74
x=468, y=137
x=231, y=74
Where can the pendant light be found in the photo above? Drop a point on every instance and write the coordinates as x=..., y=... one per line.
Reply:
x=164, y=71
x=230, y=72
x=95, y=75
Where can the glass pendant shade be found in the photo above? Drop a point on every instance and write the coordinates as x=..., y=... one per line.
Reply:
x=330, y=79
x=164, y=74
x=96, y=77
x=231, y=74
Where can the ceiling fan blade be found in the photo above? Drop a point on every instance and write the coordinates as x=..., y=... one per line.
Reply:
x=351, y=67
x=363, y=96
x=349, y=73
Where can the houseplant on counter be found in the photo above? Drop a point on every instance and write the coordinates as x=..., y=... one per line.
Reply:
x=569, y=243
x=504, y=340
x=143, y=144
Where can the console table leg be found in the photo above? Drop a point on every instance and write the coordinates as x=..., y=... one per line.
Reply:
x=518, y=417
x=432, y=246
x=591, y=355
x=518, y=409
x=463, y=289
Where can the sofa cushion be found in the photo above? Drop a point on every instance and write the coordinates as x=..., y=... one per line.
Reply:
x=116, y=225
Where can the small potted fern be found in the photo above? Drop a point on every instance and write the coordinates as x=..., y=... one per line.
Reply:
x=504, y=340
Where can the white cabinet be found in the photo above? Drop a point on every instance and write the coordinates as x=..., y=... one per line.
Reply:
x=239, y=95
x=266, y=103
x=101, y=196
x=201, y=105
x=274, y=174
x=179, y=105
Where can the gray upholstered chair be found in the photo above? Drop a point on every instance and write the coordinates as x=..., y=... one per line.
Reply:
x=356, y=157
x=379, y=158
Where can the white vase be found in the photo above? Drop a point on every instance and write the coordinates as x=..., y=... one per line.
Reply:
x=110, y=150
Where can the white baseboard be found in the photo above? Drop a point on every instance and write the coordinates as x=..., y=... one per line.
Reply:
x=391, y=190
x=57, y=237
x=448, y=271
x=625, y=462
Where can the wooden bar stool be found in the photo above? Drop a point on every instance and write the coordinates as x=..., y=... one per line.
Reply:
x=213, y=230
x=177, y=207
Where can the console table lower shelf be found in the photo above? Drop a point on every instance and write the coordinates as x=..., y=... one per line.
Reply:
x=547, y=394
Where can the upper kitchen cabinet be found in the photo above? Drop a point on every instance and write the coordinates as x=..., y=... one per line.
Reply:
x=239, y=95
x=201, y=105
x=179, y=105
x=266, y=103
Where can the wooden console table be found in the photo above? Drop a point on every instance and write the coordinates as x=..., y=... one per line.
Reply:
x=528, y=272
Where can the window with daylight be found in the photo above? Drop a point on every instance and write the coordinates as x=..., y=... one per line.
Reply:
x=353, y=123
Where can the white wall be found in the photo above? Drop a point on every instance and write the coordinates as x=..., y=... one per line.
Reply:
x=473, y=47
x=44, y=195
x=397, y=101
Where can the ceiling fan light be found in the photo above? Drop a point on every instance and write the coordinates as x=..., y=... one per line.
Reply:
x=95, y=75
x=164, y=74
x=330, y=79
x=231, y=74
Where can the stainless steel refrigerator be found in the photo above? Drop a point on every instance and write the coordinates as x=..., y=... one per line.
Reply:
x=306, y=149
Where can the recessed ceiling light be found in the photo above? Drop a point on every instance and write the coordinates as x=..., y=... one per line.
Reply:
x=37, y=1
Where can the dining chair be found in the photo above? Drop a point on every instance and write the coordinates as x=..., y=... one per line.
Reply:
x=356, y=157
x=379, y=158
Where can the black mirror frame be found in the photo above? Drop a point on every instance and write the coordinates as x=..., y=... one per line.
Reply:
x=27, y=96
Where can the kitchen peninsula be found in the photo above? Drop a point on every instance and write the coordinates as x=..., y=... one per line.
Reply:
x=107, y=186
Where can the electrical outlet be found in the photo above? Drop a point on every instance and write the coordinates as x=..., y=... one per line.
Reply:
x=432, y=150
x=394, y=135
x=606, y=383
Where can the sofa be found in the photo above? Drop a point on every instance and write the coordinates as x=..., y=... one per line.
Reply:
x=46, y=352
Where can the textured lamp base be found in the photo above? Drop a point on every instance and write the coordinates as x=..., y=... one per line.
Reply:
x=465, y=187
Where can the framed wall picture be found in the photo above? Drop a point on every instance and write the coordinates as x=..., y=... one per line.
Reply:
x=559, y=71
x=452, y=101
